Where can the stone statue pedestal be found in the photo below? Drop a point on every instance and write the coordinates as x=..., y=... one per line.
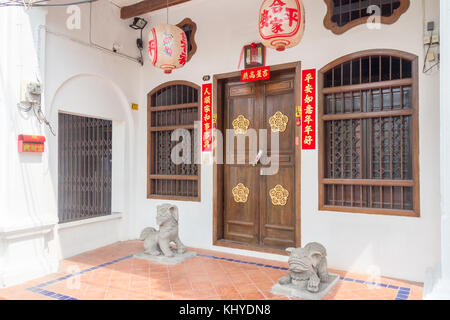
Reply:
x=299, y=291
x=176, y=259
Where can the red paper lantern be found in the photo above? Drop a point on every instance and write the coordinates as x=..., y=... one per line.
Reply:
x=167, y=47
x=281, y=23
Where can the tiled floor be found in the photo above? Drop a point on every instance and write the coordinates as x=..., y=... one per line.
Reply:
x=112, y=273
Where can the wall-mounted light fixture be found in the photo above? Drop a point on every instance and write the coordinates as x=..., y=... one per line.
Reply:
x=139, y=24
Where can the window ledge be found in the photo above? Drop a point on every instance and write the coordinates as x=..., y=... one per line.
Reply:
x=372, y=211
x=23, y=231
x=74, y=224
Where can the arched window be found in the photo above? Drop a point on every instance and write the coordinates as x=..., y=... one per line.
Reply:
x=368, y=134
x=343, y=15
x=172, y=110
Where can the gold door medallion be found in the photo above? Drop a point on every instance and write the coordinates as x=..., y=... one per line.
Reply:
x=279, y=195
x=240, y=125
x=240, y=193
x=278, y=122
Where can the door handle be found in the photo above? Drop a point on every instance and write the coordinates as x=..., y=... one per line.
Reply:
x=258, y=157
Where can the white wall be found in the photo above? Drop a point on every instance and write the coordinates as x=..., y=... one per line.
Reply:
x=399, y=246
x=28, y=203
x=437, y=285
x=95, y=96
x=78, y=78
x=445, y=136
x=84, y=80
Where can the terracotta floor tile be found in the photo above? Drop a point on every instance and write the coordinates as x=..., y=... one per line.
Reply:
x=119, y=284
x=161, y=295
x=215, y=298
x=159, y=275
x=231, y=297
x=160, y=286
x=179, y=280
x=205, y=293
x=241, y=280
x=188, y=294
x=116, y=294
x=139, y=296
x=270, y=296
x=223, y=282
x=201, y=285
x=94, y=294
x=266, y=285
x=181, y=287
x=197, y=278
x=140, y=286
x=253, y=296
x=226, y=290
x=247, y=288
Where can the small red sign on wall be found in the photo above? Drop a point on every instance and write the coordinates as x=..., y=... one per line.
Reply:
x=33, y=144
x=255, y=74
x=309, y=109
x=207, y=117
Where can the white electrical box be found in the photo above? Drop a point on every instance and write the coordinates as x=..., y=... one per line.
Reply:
x=435, y=39
x=30, y=92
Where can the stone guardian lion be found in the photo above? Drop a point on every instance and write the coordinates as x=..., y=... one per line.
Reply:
x=157, y=242
x=307, y=264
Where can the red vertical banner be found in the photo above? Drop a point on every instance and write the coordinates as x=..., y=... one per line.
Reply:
x=207, y=117
x=309, y=109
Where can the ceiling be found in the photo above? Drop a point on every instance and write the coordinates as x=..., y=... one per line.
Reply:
x=133, y=8
x=124, y=3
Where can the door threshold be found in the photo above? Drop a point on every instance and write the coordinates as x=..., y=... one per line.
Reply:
x=249, y=247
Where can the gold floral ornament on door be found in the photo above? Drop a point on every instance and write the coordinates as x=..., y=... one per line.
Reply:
x=278, y=122
x=240, y=193
x=279, y=195
x=240, y=125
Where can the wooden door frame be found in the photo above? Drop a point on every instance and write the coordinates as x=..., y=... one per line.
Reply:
x=218, y=169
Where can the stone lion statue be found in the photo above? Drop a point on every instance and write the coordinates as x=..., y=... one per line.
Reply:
x=307, y=264
x=158, y=242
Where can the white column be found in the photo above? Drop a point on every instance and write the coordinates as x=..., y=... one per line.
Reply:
x=445, y=138
x=27, y=202
x=439, y=282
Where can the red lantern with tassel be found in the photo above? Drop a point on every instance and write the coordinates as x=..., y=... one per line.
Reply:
x=167, y=47
x=281, y=23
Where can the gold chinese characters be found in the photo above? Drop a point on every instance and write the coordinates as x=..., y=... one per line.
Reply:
x=309, y=101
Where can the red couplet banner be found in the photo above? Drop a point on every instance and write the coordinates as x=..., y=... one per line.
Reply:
x=309, y=109
x=207, y=117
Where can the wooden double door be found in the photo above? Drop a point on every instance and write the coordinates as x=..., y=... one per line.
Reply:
x=261, y=210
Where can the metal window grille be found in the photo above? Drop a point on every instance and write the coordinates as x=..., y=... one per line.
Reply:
x=85, y=167
x=345, y=11
x=172, y=107
x=368, y=134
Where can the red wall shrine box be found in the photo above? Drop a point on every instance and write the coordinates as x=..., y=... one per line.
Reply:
x=254, y=55
x=33, y=144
